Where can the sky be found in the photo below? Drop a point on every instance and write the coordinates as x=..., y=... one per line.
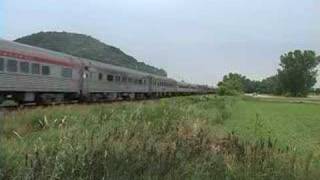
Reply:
x=197, y=41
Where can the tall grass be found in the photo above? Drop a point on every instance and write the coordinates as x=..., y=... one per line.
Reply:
x=166, y=139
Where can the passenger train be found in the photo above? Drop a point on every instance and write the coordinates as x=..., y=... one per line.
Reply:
x=34, y=75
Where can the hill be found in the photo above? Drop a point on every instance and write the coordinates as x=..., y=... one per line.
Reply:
x=87, y=47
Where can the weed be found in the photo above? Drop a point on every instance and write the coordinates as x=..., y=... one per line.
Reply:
x=166, y=139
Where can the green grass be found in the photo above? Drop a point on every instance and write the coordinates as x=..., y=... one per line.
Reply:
x=176, y=138
x=292, y=124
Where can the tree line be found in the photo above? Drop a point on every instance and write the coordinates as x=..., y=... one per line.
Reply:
x=295, y=76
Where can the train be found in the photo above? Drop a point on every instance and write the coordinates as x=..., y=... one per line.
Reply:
x=31, y=74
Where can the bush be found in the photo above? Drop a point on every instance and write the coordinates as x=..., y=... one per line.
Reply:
x=226, y=91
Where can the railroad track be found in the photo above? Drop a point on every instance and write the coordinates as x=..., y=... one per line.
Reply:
x=5, y=109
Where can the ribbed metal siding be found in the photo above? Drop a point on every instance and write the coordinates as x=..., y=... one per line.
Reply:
x=36, y=83
x=104, y=86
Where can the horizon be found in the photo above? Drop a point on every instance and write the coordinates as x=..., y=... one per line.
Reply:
x=214, y=37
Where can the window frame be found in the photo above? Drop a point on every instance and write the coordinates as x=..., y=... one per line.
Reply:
x=9, y=69
x=43, y=72
x=2, y=64
x=66, y=72
x=124, y=79
x=118, y=78
x=22, y=65
x=100, y=76
x=110, y=78
x=33, y=68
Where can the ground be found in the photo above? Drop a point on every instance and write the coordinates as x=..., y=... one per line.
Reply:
x=177, y=138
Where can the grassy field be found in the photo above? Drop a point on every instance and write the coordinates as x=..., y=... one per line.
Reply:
x=198, y=137
x=294, y=124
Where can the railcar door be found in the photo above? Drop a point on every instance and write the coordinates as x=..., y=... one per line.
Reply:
x=84, y=81
x=149, y=81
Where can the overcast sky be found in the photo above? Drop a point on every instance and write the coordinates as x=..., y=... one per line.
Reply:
x=195, y=40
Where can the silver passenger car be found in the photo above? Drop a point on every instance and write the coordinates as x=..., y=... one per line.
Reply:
x=29, y=74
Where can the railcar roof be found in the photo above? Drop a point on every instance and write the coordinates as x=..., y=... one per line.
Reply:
x=25, y=47
x=123, y=69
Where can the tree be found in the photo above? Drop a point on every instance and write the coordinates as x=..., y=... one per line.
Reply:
x=298, y=72
x=270, y=85
x=232, y=84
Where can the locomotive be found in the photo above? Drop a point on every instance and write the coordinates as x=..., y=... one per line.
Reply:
x=35, y=75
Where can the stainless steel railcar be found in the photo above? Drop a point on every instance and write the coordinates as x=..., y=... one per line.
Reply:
x=105, y=81
x=31, y=74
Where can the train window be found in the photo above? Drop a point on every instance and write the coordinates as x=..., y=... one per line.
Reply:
x=12, y=65
x=100, y=76
x=1, y=64
x=45, y=70
x=118, y=78
x=109, y=77
x=130, y=80
x=24, y=67
x=124, y=79
x=140, y=81
x=35, y=68
x=66, y=72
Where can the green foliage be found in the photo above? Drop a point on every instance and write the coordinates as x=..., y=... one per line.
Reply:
x=269, y=85
x=224, y=109
x=235, y=83
x=232, y=84
x=295, y=78
x=87, y=47
x=174, y=138
x=298, y=72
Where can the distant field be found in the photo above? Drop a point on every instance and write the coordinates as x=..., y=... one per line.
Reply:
x=193, y=137
x=313, y=99
x=291, y=121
